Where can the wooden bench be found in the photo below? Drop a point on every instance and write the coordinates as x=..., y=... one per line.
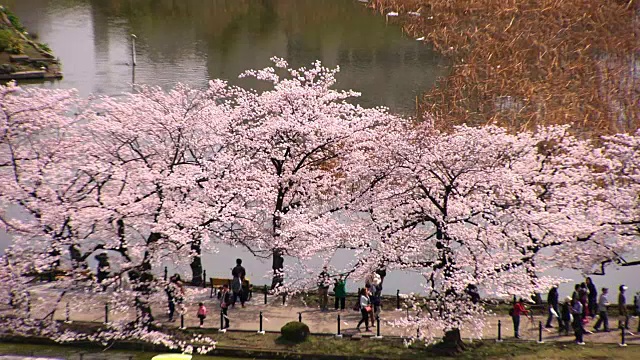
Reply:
x=218, y=283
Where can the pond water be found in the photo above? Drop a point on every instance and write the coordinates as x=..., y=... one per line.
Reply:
x=192, y=41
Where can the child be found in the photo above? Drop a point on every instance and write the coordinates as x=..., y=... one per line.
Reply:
x=202, y=313
x=225, y=301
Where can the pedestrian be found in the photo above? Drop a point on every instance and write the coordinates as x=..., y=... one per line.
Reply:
x=376, y=293
x=175, y=295
x=104, y=268
x=474, y=294
x=578, y=326
x=603, y=315
x=238, y=273
x=565, y=316
x=202, y=313
x=179, y=294
x=371, y=291
x=225, y=301
x=323, y=288
x=636, y=306
x=518, y=309
x=584, y=295
x=622, y=309
x=382, y=271
x=592, y=297
x=576, y=292
x=340, y=292
x=552, y=302
x=365, y=308
x=170, y=299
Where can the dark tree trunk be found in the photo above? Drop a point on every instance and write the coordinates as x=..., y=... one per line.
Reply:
x=278, y=265
x=196, y=264
x=196, y=271
x=142, y=281
x=451, y=343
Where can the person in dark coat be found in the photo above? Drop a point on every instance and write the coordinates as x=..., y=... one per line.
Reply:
x=622, y=309
x=578, y=327
x=238, y=273
x=592, y=297
x=553, y=303
x=576, y=292
x=565, y=316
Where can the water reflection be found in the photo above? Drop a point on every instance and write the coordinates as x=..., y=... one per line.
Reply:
x=195, y=40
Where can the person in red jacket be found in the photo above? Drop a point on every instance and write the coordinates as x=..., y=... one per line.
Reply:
x=518, y=309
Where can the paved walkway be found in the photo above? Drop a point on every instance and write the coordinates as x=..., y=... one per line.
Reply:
x=275, y=315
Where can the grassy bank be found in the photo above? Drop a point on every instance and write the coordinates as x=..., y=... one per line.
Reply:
x=21, y=55
x=525, y=63
x=353, y=349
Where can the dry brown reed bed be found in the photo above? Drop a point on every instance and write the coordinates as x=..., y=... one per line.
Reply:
x=523, y=63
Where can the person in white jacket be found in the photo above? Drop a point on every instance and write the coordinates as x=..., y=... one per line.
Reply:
x=602, y=311
x=365, y=307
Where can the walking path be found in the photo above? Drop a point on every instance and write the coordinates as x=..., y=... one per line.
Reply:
x=275, y=315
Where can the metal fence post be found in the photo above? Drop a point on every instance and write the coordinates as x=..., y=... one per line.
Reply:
x=378, y=336
x=398, y=299
x=106, y=313
x=261, y=331
x=499, y=331
x=540, y=333
x=299, y=317
x=166, y=272
x=338, y=334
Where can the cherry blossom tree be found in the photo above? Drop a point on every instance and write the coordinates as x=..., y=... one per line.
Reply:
x=616, y=210
x=118, y=181
x=39, y=189
x=296, y=171
x=303, y=145
x=476, y=206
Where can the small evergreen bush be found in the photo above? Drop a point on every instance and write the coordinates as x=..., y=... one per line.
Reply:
x=295, y=331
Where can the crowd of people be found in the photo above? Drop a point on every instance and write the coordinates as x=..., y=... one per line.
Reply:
x=573, y=314
x=582, y=307
x=369, y=301
x=228, y=295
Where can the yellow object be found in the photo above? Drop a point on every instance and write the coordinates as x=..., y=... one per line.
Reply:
x=172, y=357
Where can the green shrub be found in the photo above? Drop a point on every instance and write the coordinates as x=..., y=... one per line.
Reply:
x=45, y=47
x=10, y=43
x=294, y=331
